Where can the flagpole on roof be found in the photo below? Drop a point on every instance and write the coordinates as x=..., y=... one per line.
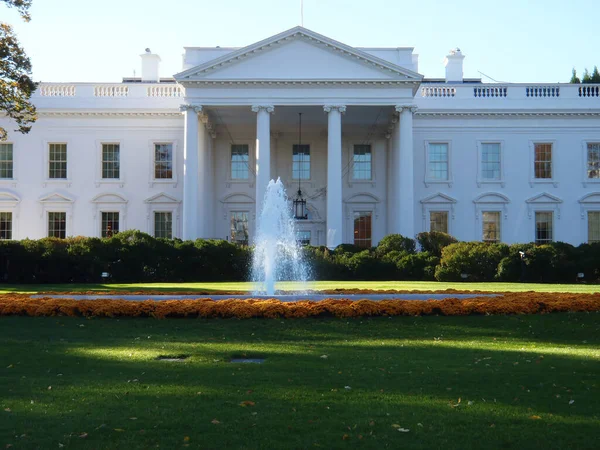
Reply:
x=302, y=13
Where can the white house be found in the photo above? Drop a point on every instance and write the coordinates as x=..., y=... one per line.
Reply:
x=383, y=150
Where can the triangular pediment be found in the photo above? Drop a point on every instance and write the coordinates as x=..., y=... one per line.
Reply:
x=438, y=198
x=8, y=199
x=56, y=198
x=544, y=198
x=491, y=197
x=594, y=197
x=298, y=54
x=109, y=198
x=161, y=198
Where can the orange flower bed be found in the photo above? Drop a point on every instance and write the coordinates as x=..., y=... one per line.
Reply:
x=508, y=303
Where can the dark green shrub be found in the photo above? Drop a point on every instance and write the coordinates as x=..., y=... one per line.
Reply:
x=395, y=242
x=434, y=242
x=418, y=266
x=478, y=261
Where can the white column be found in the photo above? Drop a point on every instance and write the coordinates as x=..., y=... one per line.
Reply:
x=334, y=175
x=190, y=172
x=393, y=211
x=405, y=166
x=209, y=183
x=203, y=205
x=263, y=152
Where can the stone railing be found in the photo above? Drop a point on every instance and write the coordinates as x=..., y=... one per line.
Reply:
x=118, y=90
x=438, y=91
x=172, y=90
x=542, y=91
x=589, y=90
x=57, y=90
x=490, y=91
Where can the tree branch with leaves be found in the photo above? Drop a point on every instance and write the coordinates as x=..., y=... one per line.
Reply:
x=16, y=85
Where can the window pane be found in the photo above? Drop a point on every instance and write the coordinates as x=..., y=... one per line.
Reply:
x=593, y=226
x=239, y=227
x=438, y=161
x=110, y=224
x=362, y=229
x=438, y=221
x=593, y=160
x=57, y=224
x=163, y=161
x=110, y=161
x=361, y=168
x=543, y=227
x=543, y=161
x=163, y=225
x=490, y=161
x=491, y=226
x=57, y=161
x=239, y=162
x=5, y=225
x=303, y=237
x=301, y=162
x=6, y=161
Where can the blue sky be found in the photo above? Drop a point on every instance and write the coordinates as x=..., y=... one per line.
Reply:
x=509, y=40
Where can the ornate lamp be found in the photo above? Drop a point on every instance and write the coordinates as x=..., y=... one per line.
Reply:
x=299, y=203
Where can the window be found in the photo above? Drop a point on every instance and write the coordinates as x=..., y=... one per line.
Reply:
x=110, y=224
x=361, y=162
x=593, y=226
x=163, y=224
x=239, y=162
x=362, y=229
x=438, y=221
x=57, y=224
x=593, y=160
x=438, y=162
x=57, y=161
x=6, y=161
x=490, y=162
x=301, y=162
x=163, y=161
x=5, y=225
x=543, y=227
x=111, y=161
x=542, y=161
x=303, y=237
x=491, y=226
x=239, y=227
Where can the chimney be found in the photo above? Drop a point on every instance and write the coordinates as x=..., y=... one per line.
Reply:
x=150, y=65
x=454, y=66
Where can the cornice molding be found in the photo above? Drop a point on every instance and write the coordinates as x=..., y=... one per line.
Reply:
x=107, y=114
x=380, y=83
x=506, y=113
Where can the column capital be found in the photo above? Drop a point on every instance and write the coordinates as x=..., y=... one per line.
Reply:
x=268, y=108
x=407, y=107
x=189, y=107
x=340, y=108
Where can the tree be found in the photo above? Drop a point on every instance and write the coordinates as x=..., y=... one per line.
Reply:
x=574, y=78
x=16, y=85
x=586, y=77
x=595, y=78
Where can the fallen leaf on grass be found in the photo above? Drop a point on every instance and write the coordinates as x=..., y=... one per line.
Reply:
x=186, y=439
x=7, y=409
x=345, y=437
x=535, y=417
x=133, y=418
x=119, y=429
x=247, y=403
x=571, y=402
x=323, y=356
x=215, y=422
x=83, y=435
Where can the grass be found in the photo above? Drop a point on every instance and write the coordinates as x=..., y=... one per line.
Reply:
x=316, y=285
x=454, y=382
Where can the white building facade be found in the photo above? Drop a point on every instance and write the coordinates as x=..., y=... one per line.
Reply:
x=382, y=150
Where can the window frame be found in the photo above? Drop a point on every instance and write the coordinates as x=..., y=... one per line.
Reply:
x=47, y=217
x=585, y=179
x=428, y=180
x=109, y=181
x=108, y=211
x=230, y=217
x=587, y=223
x=500, y=231
x=439, y=210
x=13, y=180
x=532, y=179
x=552, y=224
x=371, y=214
x=152, y=173
x=109, y=202
x=351, y=160
x=251, y=162
x=12, y=225
x=173, y=221
x=310, y=163
x=480, y=179
x=67, y=182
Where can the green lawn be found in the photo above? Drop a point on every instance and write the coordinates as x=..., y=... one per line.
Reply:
x=497, y=382
x=316, y=285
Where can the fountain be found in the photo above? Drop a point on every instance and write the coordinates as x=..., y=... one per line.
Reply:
x=277, y=255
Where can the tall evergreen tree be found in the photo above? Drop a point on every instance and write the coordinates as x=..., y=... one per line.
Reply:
x=16, y=85
x=586, y=77
x=574, y=78
x=595, y=78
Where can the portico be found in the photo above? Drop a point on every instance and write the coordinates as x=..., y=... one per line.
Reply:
x=242, y=109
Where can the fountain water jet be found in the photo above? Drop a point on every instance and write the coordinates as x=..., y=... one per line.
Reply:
x=277, y=254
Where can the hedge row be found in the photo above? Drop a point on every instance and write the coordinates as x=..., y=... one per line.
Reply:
x=133, y=256
x=513, y=303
